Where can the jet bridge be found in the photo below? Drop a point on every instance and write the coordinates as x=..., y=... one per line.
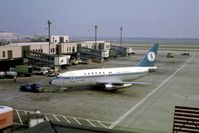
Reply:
x=88, y=53
x=37, y=59
x=119, y=51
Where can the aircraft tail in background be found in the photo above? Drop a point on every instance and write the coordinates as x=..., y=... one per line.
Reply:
x=150, y=58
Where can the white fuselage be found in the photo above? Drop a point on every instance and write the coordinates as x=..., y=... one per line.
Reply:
x=93, y=76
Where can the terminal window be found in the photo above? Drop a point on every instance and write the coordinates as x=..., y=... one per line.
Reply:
x=52, y=50
x=107, y=46
x=4, y=54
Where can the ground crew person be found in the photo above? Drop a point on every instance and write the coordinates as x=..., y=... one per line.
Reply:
x=15, y=78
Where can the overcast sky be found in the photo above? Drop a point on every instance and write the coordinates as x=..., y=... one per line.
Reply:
x=139, y=18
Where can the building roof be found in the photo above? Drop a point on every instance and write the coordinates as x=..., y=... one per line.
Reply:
x=28, y=43
x=5, y=109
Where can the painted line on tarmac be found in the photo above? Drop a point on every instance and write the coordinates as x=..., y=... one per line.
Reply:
x=78, y=118
x=102, y=124
x=15, y=123
x=46, y=117
x=17, y=111
x=91, y=123
x=147, y=96
x=66, y=119
x=77, y=121
x=56, y=117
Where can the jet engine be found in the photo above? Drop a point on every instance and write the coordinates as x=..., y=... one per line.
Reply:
x=115, y=86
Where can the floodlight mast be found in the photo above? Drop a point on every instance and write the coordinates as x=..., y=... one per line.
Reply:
x=96, y=35
x=49, y=23
x=121, y=36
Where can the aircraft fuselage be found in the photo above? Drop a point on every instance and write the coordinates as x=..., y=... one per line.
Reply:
x=92, y=76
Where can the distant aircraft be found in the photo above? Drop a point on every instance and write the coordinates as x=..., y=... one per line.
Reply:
x=110, y=78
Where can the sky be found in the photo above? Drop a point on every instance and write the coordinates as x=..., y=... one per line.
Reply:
x=77, y=18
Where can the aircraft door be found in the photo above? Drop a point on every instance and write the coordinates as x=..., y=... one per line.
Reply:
x=72, y=77
x=106, y=74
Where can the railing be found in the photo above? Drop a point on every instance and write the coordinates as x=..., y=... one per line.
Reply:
x=186, y=119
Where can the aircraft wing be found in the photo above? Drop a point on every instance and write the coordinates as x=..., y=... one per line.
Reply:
x=117, y=84
x=138, y=83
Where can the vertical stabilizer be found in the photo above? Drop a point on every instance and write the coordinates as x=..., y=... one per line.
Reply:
x=150, y=57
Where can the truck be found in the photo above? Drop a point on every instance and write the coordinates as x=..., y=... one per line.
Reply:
x=130, y=51
x=44, y=70
x=24, y=70
x=11, y=73
x=2, y=75
x=170, y=55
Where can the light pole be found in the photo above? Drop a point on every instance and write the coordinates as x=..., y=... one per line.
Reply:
x=121, y=36
x=49, y=23
x=96, y=35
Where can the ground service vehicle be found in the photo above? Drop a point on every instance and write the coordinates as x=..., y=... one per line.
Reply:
x=36, y=87
x=24, y=69
x=11, y=73
x=44, y=70
x=2, y=74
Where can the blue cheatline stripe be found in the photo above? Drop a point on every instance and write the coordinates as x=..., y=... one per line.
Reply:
x=104, y=75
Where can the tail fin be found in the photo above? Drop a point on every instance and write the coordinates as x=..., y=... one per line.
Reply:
x=150, y=57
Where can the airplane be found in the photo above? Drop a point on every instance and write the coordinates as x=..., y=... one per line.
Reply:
x=111, y=79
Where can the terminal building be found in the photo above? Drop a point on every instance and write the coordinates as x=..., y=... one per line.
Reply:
x=58, y=52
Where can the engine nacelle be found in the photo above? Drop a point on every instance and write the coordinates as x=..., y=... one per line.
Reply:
x=152, y=69
x=116, y=86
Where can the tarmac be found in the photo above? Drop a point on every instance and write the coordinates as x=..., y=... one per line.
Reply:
x=139, y=108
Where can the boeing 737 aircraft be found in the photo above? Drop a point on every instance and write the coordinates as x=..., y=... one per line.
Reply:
x=109, y=78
